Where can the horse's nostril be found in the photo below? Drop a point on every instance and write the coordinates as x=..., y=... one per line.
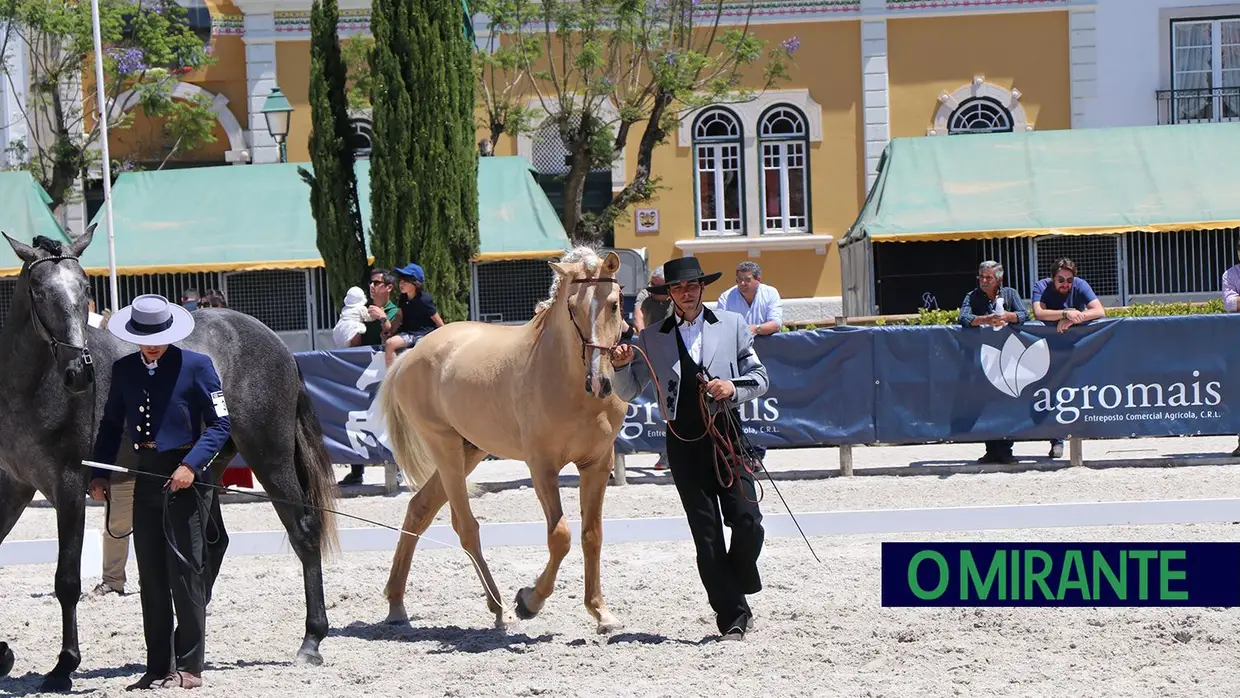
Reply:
x=606, y=387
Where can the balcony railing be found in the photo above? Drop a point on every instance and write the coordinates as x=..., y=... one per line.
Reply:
x=1198, y=106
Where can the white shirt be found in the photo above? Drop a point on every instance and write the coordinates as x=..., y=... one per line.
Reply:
x=767, y=305
x=691, y=333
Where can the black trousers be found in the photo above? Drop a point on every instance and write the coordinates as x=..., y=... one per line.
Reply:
x=167, y=582
x=728, y=574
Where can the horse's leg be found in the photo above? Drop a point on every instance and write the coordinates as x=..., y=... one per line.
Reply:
x=14, y=497
x=593, y=485
x=70, y=502
x=302, y=525
x=546, y=477
x=422, y=510
x=449, y=454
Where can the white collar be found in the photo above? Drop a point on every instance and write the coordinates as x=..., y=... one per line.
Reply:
x=151, y=366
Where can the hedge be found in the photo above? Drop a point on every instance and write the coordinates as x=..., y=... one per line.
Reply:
x=951, y=316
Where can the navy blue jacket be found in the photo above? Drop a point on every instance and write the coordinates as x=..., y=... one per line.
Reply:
x=168, y=408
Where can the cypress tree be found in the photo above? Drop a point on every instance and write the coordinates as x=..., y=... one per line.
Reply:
x=392, y=187
x=444, y=160
x=333, y=185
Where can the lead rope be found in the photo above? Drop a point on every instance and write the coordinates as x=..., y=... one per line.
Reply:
x=725, y=445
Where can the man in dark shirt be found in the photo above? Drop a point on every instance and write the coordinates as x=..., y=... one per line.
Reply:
x=382, y=310
x=980, y=308
x=418, y=314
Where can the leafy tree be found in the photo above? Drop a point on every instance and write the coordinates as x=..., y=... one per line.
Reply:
x=148, y=45
x=392, y=186
x=444, y=156
x=653, y=60
x=423, y=164
x=333, y=185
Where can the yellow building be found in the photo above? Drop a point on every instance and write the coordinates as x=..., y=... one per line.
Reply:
x=778, y=179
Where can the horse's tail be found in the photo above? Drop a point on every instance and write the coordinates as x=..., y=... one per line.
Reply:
x=407, y=445
x=314, y=468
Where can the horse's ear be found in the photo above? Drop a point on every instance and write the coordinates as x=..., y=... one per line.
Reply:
x=25, y=252
x=80, y=243
x=611, y=264
x=561, y=269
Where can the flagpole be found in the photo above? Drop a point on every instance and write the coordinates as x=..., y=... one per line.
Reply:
x=103, y=114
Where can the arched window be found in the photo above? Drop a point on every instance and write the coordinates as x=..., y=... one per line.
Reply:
x=360, y=137
x=784, y=143
x=717, y=173
x=980, y=115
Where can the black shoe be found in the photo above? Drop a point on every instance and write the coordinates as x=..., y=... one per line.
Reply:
x=736, y=631
x=350, y=480
x=146, y=682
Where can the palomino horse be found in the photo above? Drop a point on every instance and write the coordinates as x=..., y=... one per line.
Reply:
x=54, y=376
x=538, y=392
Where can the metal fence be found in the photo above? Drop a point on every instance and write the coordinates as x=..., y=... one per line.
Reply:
x=1129, y=268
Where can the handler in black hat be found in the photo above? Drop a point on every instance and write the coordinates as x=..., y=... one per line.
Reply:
x=163, y=393
x=692, y=350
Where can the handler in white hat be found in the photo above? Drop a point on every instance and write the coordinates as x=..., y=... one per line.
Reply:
x=162, y=393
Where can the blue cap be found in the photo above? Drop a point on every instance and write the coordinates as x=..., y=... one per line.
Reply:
x=412, y=271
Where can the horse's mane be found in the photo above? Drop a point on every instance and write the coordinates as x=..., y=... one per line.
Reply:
x=581, y=254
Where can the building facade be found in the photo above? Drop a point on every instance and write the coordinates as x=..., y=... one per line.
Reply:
x=780, y=178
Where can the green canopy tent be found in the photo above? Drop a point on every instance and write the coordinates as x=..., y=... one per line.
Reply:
x=24, y=212
x=257, y=217
x=1032, y=184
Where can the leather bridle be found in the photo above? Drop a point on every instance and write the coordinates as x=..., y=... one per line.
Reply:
x=586, y=344
x=54, y=344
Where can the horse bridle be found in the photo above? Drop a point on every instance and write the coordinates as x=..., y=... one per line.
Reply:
x=586, y=344
x=41, y=329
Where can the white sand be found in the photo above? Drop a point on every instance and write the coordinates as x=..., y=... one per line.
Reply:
x=821, y=629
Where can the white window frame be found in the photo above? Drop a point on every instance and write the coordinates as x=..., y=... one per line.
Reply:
x=1215, y=90
x=782, y=144
x=718, y=148
x=1004, y=114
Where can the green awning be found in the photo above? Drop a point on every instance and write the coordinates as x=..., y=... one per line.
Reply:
x=24, y=211
x=1069, y=182
x=250, y=217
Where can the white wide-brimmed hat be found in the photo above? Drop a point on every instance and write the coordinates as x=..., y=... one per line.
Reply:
x=354, y=297
x=151, y=320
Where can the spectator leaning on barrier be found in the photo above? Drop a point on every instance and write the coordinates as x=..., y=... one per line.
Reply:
x=757, y=302
x=1066, y=300
x=1231, y=300
x=979, y=309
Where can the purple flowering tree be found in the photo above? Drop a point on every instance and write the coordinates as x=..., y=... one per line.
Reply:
x=650, y=61
x=149, y=46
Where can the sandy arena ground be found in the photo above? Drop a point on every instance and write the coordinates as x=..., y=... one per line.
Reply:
x=821, y=629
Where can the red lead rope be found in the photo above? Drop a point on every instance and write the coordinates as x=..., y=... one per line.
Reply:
x=729, y=454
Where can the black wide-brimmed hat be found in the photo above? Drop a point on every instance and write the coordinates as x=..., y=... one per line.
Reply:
x=681, y=270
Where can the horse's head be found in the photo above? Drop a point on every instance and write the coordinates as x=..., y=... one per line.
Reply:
x=59, y=296
x=591, y=291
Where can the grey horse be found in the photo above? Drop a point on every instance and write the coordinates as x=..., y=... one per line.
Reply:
x=54, y=376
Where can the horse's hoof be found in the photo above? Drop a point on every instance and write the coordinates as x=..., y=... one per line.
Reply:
x=397, y=615
x=310, y=658
x=523, y=610
x=607, y=627
x=6, y=659
x=309, y=653
x=56, y=683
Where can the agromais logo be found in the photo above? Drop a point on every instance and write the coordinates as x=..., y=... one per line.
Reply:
x=1016, y=367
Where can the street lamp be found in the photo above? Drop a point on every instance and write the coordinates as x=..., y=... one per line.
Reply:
x=277, y=110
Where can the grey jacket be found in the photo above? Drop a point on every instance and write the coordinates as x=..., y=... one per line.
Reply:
x=727, y=352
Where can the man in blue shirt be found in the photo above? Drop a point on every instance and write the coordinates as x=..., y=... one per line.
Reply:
x=162, y=394
x=1066, y=300
x=418, y=314
x=981, y=308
